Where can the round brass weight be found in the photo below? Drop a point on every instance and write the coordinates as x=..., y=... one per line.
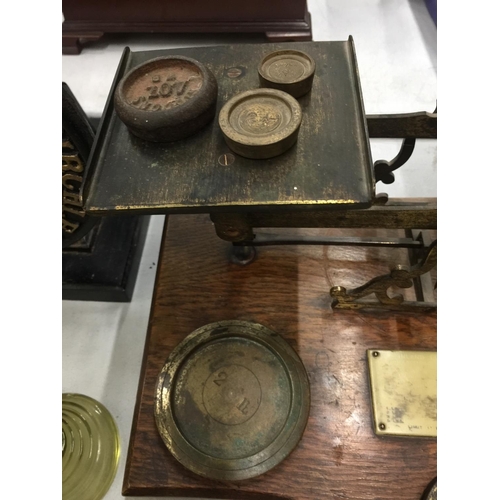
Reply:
x=431, y=491
x=289, y=70
x=232, y=400
x=260, y=123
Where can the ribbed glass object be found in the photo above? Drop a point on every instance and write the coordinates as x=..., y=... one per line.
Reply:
x=90, y=448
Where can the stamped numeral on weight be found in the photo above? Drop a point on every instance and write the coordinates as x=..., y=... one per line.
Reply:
x=221, y=377
x=243, y=406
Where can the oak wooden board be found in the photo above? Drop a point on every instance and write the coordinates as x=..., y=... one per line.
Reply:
x=287, y=290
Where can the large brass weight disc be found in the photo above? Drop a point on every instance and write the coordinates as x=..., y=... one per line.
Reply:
x=232, y=400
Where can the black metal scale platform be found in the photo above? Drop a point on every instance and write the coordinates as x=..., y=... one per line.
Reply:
x=330, y=165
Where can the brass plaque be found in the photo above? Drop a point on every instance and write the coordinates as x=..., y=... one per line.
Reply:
x=404, y=392
x=232, y=400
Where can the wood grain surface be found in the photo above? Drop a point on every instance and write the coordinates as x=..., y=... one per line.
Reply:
x=281, y=20
x=287, y=290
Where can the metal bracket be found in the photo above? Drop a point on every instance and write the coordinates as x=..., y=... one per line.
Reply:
x=269, y=239
x=399, y=277
x=409, y=126
x=384, y=170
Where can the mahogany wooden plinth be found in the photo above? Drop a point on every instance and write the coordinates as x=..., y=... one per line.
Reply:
x=287, y=290
x=278, y=20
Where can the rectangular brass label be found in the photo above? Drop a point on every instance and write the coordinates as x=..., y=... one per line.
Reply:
x=404, y=392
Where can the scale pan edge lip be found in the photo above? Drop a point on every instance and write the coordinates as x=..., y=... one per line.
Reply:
x=231, y=469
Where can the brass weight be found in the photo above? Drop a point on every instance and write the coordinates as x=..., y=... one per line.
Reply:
x=260, y=123
x=289, y=70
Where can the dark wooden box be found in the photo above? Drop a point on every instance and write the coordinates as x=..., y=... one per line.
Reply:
x=278, y=19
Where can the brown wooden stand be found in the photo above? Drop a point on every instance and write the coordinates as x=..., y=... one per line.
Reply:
x=279, y=20
x=287, y=290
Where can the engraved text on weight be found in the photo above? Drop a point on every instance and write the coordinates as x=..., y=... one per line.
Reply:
x=169, y=94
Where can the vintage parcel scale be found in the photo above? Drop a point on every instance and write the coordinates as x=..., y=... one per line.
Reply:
x=227, y=421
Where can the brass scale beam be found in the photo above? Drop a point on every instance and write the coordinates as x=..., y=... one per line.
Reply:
x=398, y=213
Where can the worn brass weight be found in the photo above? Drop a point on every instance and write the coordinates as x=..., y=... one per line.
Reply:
x=431, y=492
x=232, y=400
x=289, y=70
x=260, y=123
